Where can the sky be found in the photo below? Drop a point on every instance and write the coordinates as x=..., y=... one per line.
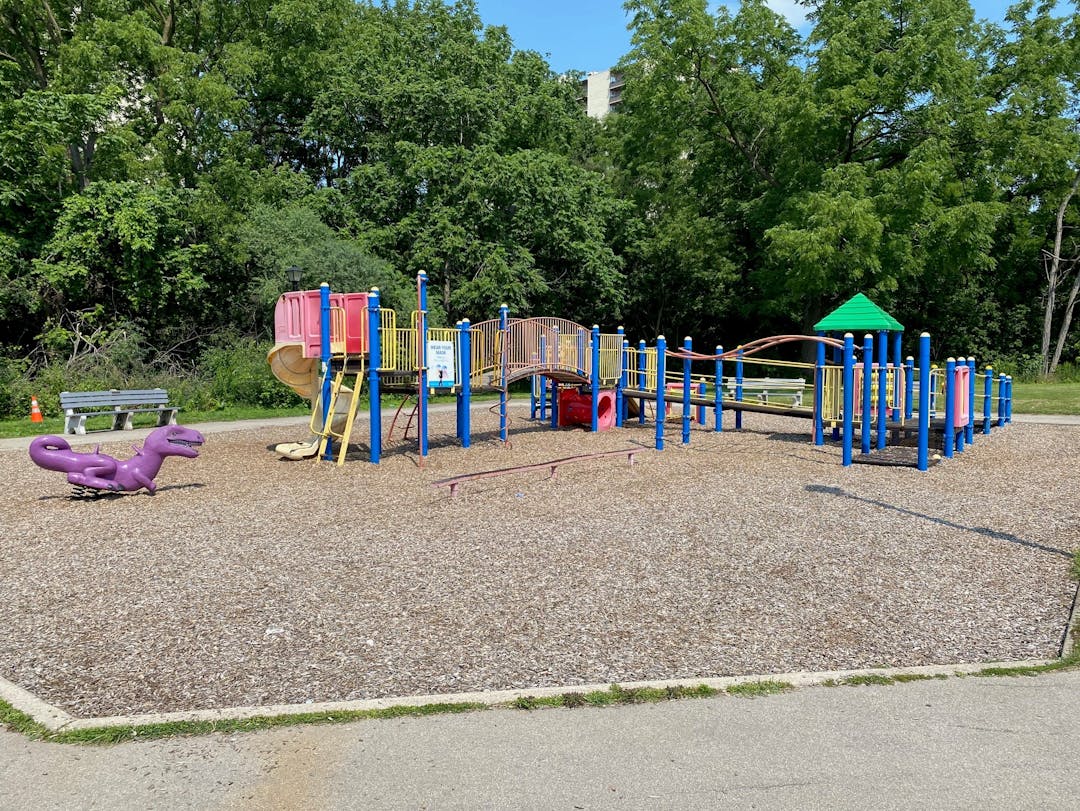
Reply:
x=591, y=34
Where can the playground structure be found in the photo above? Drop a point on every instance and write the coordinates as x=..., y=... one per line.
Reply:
x=327, y=345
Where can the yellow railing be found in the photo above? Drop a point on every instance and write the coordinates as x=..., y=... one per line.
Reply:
x=388, y=339
x=337, y=330
x=832, y=393
x=635, y=379
x=611, y=347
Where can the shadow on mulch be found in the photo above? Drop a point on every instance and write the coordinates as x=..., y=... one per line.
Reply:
x=989, y=533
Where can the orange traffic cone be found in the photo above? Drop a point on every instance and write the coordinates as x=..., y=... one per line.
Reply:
x=35, y=410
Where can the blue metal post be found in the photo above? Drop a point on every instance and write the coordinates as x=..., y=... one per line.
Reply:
x=849, y=394
x=642, y=380
x=866, y=423
x=594, y=378
x=909, y=387
x=702, y=390
x=924, y=401
x=988, y=396
x=465, y=348
x=738, y=387
x=543, y=380
x=554, y=403
x=950, y=406
x=620, y=384
x=882, y=386
x=687, y=390
x=374, y=362
x=819, y=390
x=1008, y=399
x=504, y=330
x=1001, y=401
x=897, y=362
x=718, y=395
x=324, y=359
x=661, y=372
x=421, y=356
x=969, y=431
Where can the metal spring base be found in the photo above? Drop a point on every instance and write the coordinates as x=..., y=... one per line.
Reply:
x=81, y=491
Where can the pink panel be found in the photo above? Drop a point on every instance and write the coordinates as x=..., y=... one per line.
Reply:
x=297, y=319
x=311, y=315
x=961, y=379
x=356, y=327
x=287, y=321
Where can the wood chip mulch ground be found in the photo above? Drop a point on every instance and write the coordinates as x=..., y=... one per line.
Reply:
x=249, y=580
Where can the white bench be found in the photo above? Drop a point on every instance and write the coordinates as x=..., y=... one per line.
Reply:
x=116, y=403
x=765, y=387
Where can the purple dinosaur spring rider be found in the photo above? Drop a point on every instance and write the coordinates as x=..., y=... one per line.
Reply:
x=98, y=471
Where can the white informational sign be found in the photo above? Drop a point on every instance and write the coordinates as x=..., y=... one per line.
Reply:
x=440, y=363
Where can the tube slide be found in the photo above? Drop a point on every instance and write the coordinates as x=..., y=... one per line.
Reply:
x=301, y=374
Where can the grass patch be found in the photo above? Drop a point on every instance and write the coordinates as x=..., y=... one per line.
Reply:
x=19, y=721
x=1046, y=398
x=900, y=678
x=1074, y=570
x=535, y=703
x=1064, y=663
x=615, y=694
x=752, y=689
x=868, y=678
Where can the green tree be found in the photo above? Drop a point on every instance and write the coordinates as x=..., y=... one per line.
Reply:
x=1033, y=130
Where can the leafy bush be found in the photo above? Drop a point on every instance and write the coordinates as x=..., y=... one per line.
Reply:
x=1068, y=373
x=232, y=371
x=237, y=373
x=15, y=386
x=1023, y=368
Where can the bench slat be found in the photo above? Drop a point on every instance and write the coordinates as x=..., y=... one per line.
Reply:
x=765, y=387
x=91, y=399
x=123, y=404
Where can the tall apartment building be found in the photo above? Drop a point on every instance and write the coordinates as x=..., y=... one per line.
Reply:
x=601, y=91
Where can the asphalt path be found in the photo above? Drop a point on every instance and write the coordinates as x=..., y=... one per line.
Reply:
x=973, y=742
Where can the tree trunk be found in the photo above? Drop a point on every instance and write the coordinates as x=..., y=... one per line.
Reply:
x=1066, y=320
x=1052, y=277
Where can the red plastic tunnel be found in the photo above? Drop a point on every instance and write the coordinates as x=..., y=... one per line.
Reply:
x=575, y=408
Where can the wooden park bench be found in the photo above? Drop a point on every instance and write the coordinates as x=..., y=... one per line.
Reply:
x=121, y=405
x=765, y=387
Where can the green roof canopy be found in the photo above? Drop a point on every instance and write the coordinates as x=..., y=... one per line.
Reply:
x=858, y=314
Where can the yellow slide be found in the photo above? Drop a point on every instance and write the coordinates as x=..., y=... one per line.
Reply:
x=301, y=374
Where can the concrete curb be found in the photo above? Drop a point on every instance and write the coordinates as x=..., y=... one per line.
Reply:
x=24, y=701
x=56, y=720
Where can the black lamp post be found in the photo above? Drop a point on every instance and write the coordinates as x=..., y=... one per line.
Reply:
x=293, y=272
